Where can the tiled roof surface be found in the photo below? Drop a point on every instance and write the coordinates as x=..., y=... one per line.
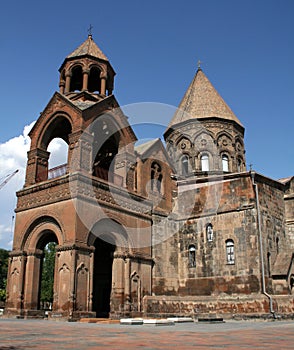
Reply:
x=201, y=101
x=143, y=147
x=83, y=104
x=88, y=47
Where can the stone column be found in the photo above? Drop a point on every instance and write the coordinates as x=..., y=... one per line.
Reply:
x=72, y=297
x=61, y=87
x=117, y=292
x=37, y=166
x=67, y=82
x=125, y=167
x=80, y=152
x=91, y=277
x=85, y=79
x=127, y=293
x=32, y=285
x=15, y=284
x=103, y=78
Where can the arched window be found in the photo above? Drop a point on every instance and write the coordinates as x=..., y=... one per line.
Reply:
x=225, y=162
x=230, y=252
x=204, y=162
x=192, y=255
x=209, y=233
x=185, y=165
x=156, y=177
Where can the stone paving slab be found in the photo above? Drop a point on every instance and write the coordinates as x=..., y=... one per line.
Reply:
x=44, y=334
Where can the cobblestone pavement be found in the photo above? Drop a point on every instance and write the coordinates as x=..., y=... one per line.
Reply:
x=33, y=334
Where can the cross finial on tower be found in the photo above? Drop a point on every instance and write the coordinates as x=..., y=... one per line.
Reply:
x=199, y=64
x=90, y=30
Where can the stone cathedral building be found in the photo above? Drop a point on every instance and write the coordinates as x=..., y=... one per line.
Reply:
x=147, y=229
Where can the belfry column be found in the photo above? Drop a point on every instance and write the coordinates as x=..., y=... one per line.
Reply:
x=103, y=84
x=61, y=87
x=85, y=79
x=67, y=82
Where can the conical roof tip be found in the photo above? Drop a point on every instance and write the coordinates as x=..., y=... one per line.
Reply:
x=202, y=101
x=88, y=47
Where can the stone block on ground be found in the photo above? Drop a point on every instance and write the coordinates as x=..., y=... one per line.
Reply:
x=158, y=322
x=131, y=321
x=180, y=319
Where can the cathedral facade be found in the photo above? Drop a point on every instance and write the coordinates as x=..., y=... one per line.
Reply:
x=147, y=229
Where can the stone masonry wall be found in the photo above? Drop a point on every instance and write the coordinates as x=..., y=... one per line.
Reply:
x=234, y=219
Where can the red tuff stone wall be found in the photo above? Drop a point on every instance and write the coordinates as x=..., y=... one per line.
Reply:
x=225, y=307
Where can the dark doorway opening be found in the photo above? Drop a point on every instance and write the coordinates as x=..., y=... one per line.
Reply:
x=102, y=277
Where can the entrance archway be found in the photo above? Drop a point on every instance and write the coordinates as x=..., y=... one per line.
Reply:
x=102, y=282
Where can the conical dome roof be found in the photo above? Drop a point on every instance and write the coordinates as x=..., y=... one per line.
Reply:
x=202, y=101
x=88, y=47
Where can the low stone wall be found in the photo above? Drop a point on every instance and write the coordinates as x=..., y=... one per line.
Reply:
x=227, y=307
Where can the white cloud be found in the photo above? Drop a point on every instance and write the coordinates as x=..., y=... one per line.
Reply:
x=58, y=152
x=13, y=155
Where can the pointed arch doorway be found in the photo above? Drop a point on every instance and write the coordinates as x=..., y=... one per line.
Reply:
x=102, y=282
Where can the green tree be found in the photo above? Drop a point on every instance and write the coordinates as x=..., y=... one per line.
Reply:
x=4, y=255
x=47, y=278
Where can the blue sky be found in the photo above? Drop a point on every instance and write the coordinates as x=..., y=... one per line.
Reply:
x=246, y=48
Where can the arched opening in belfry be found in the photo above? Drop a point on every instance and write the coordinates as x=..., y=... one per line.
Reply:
x=46, y=246
x=102, y=283
x=94, y=84
x=76, y=81
x=105, y=148
x=54, y=142
x=58, y=149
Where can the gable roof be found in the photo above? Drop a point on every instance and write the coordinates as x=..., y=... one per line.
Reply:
x=202, y=101
x=144, y=147
x=88, y=47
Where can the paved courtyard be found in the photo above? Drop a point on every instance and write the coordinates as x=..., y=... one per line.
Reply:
x=35, y=334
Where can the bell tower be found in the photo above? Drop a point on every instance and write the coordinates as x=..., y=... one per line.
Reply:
x=83, y=207
x=86, y=69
